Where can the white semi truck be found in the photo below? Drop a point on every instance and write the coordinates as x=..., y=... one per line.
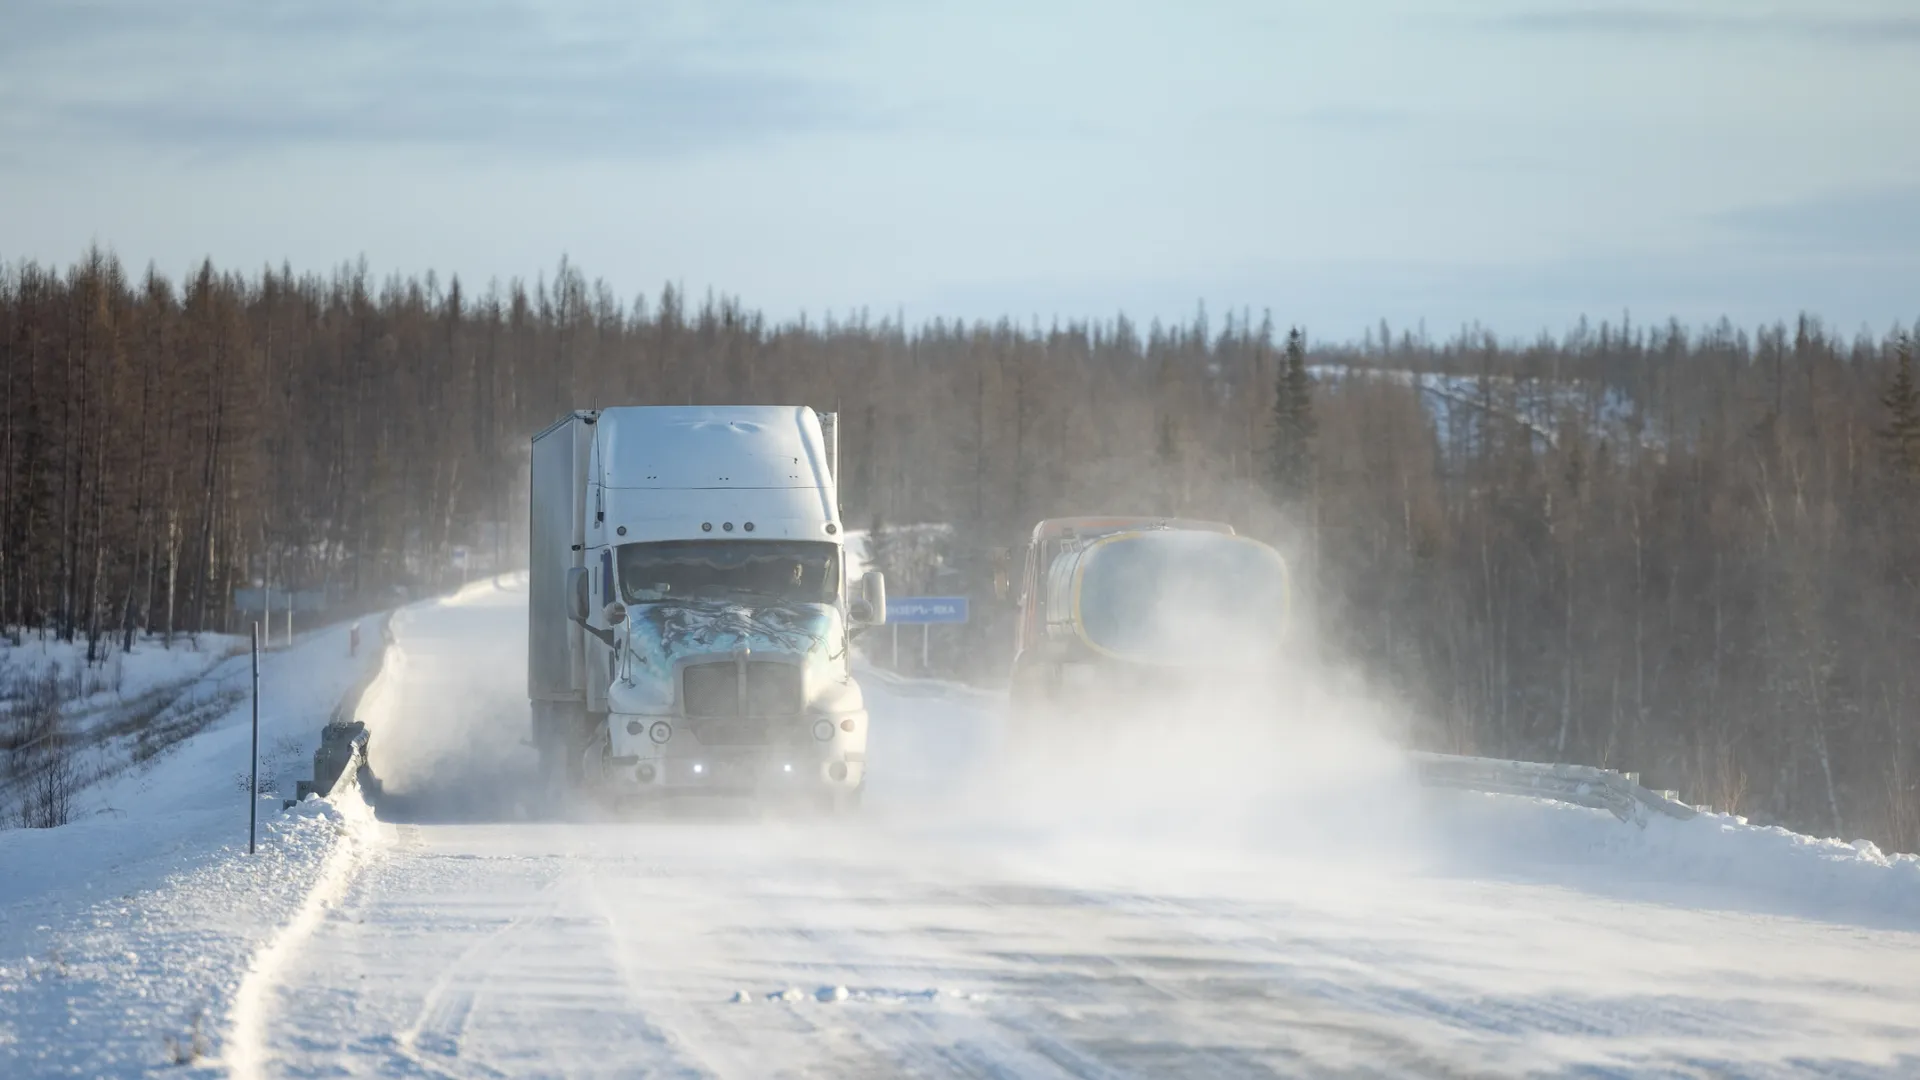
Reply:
x=689, y=614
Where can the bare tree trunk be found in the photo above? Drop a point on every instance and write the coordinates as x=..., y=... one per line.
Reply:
x=94, y=581
x=1566, y=662
x=1819, y=727
x=141, y=512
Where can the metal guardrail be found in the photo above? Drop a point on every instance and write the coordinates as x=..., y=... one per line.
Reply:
x=1618, y=793
x=343, y=750
x=343, y=742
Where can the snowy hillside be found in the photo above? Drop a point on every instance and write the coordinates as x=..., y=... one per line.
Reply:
x=67, y=725
x=1459, y=405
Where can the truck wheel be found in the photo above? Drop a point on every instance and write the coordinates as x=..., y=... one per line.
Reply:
x=553, y=786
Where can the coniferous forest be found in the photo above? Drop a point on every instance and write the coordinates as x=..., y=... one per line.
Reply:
x=1690, y=552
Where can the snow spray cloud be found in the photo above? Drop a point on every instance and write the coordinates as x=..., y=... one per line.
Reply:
x=450, y=746
x=1206, y=719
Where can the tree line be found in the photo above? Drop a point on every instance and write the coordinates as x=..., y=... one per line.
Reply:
x=1688, y=552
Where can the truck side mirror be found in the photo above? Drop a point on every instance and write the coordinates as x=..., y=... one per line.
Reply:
x=577, y=594
x=871, y=608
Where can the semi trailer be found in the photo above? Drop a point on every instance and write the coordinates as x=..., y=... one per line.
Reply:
x=689, y=616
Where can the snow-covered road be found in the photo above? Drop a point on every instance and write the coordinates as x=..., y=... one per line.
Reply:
x=999, y=940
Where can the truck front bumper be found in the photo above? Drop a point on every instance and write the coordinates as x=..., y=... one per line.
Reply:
x=794, y=761
x=735, y=772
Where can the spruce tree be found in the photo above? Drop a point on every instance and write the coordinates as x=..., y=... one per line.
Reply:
x=1901, y=436
x=1290, y=469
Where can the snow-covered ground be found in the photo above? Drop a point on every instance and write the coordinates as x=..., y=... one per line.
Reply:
x=1173, y=909
x=97, y=719
x=1064, y=920
x=119, y=930
x=120, y=675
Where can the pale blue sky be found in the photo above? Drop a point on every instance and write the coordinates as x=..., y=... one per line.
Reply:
x=1513, y=162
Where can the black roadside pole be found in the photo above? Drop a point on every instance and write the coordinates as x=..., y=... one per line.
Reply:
x=253, y=769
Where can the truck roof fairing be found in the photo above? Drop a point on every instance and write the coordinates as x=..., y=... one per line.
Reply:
x=725, y=467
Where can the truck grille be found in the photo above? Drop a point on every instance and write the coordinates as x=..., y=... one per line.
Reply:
x=714, y=689
x=730, y=733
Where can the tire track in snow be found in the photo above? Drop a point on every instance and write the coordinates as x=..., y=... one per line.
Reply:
x=246, y=1055
x=246, y=1050
x=675, y=1032
x=449, y=1001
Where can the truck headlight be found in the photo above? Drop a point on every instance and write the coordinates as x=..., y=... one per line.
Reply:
x=823, y=730
x=660, y=732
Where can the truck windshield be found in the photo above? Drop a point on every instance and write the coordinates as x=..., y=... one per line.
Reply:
x=793, y=571
x=1183, y=596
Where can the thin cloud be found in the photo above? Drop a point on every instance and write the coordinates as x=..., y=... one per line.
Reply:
x=633, y=114
x=1358, y=118
x=1333, y=118
x=1868, y=223
x=225, y=80
x=1666, y=23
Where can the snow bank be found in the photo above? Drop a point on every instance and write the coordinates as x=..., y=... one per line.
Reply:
x=867, y=675
x=133, y=971
x=930, y=741
x=1713, y=860
x=329, y=873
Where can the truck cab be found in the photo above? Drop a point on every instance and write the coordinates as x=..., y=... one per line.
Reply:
x=689, y=613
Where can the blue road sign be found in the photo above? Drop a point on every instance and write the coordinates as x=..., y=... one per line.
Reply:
x=926, y=609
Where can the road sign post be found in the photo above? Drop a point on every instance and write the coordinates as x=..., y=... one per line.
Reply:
x=926, y=611
x=253, y=767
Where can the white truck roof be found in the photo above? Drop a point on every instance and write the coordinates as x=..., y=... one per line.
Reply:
x=686, y=472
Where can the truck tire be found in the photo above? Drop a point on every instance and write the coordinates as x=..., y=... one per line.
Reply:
x=554, y=792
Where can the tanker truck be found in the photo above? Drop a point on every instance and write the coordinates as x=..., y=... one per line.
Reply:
x=688, y=610
x=1114, y=608
x=1125, y=619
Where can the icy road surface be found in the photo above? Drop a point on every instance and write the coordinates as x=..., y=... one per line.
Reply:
x=922, y=939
